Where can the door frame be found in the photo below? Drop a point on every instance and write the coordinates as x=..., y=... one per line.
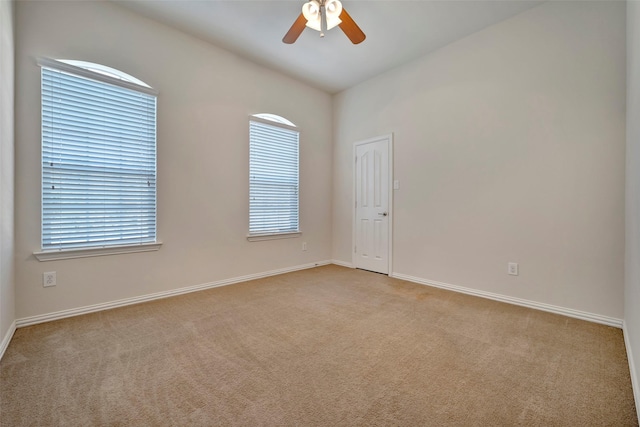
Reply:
x=389, y=138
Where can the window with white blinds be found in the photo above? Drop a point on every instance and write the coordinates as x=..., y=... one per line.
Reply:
x=98, y=159
x=273, y=176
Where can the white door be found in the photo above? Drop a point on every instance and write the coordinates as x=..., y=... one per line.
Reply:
x=372, y=214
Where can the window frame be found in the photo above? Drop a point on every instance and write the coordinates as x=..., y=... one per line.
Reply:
x=116, y=78
x=278, y=122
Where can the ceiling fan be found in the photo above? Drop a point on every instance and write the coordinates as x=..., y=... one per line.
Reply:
x=321, y=15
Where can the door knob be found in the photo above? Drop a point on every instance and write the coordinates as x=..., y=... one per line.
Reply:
x=383, y=213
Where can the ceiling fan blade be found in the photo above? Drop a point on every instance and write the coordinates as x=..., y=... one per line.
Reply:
x=350, y=28
x=295, y=30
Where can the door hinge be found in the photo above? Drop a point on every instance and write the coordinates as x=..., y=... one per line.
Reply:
x=355, y=249
x=356, y=203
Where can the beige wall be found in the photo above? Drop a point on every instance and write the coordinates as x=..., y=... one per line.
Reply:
x=509, y=146
x=7, y=288
x=206, y=96
x=632, y=261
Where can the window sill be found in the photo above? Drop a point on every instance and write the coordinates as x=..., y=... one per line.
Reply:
x=273, y=236
x=91, y=252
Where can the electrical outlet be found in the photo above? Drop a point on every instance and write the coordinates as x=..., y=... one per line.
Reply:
x=49, y=279
x=304, y=246
x=512, y=268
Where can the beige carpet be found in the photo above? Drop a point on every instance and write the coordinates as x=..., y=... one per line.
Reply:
x=329, y=346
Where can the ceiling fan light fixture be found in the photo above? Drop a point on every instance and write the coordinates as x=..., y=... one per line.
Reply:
x=311, y=12
x=333, y=9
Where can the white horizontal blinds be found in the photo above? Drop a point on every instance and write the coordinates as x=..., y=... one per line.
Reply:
x=273, y=183
x=98, y=163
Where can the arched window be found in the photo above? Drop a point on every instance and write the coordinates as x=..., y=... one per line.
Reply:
x=98, y=158
x=274, y=118
x=104, y=70
x=273, y=177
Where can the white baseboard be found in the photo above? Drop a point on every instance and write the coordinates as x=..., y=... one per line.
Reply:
x=27, y=321
x=635, y=381
x=583, y=315
x=342, y=263
x=7, y=339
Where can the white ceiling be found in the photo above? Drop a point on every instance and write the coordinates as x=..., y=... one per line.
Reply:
x=397, y=31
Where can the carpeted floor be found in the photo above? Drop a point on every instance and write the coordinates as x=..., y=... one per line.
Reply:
x=329, y=346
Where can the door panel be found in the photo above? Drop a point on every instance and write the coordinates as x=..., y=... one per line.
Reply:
x=372, y=206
